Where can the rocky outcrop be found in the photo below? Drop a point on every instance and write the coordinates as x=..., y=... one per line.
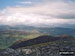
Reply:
x=9, y=52
x=42, y=50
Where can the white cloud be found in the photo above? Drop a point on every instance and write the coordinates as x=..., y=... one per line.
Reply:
x=25, y=2
x=48, y=13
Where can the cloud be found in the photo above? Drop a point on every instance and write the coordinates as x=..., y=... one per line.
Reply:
x=25, y=2
x=48, y=13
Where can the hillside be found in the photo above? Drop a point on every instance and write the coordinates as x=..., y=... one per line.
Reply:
x=37, y=40
x=42, y=46
x=8, y=37
x=11, y=34
x=41, y=39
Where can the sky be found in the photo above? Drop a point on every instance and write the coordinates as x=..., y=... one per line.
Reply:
x=38, y=13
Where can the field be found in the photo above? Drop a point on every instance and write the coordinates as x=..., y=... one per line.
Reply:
x=7, y=38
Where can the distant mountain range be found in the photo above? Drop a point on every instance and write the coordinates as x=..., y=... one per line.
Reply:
x=45, y=30
x=16, y=27
x=58, y=31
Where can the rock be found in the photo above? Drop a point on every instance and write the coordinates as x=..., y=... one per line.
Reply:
x=9, y=52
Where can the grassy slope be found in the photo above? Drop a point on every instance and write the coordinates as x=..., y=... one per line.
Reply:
x=8, y=39
x=56, y=43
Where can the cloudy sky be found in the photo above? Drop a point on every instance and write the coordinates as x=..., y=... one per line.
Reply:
x=38, y=12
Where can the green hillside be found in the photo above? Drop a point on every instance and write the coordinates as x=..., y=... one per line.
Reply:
x=7, y=38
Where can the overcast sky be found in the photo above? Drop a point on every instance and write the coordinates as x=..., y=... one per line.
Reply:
x=38, y=12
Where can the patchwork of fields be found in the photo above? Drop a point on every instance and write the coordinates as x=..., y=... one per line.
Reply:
x=7, y=38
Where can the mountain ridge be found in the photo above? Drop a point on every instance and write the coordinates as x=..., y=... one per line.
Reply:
x=38, y=40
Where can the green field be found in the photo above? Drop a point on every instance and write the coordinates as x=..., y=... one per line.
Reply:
x=7, y=39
